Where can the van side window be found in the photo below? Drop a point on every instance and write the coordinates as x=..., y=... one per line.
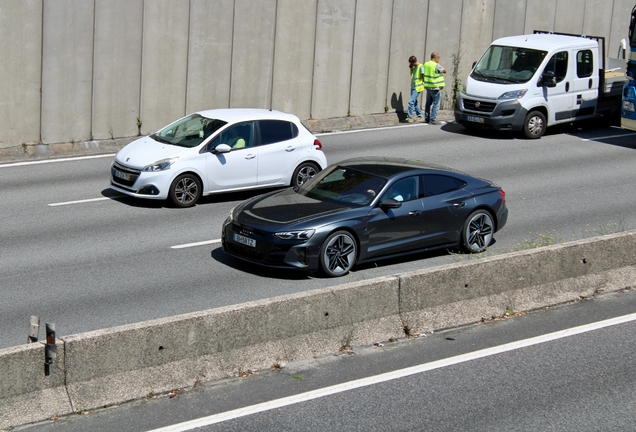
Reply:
x=559, y=65
x=584, y=63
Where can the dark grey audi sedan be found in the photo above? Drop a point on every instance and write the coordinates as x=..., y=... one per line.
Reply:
x=366, y=209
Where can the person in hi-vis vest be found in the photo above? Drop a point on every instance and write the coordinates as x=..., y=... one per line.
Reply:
x=417, y=86
x=434, y=83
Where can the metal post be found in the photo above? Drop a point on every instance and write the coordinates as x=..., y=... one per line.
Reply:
x=50, y=348
x=34, y=329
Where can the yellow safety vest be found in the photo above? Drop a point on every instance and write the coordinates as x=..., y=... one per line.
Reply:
x=432, y=78
x=416, y=78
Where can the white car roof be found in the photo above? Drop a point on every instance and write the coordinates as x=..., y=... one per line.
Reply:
x=546, y=42
x=233, y=115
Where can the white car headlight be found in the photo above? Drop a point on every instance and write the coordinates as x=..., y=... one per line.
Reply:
x=161, y=165
x=517, y=94
x=628, y=106
x=296, y=235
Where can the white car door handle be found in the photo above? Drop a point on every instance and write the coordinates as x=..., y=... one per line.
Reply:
x=250, y=156
x=290, y=148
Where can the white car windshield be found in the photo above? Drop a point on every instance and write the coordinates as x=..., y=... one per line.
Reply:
x=190, y=131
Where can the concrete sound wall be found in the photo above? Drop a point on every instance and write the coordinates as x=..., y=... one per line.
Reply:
x=84, y=73
x=114, y=365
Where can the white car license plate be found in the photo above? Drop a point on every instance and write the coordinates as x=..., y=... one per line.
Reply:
x=475, y=119
x=122, y=175
x=244, y=240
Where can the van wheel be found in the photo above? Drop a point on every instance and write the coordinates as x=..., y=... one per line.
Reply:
x=534, y=125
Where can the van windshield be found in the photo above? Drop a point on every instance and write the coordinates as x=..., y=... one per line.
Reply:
x=508, y=65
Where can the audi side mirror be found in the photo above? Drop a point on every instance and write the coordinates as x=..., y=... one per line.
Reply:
x=390, y=203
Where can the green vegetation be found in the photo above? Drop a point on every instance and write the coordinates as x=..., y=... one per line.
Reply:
x=549, y=238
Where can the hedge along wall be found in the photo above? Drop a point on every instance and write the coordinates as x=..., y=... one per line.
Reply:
x=82, y=70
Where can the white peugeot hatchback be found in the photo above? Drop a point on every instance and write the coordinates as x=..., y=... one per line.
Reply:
x=218, y=150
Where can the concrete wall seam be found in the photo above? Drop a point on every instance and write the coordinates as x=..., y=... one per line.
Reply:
x=91, y=71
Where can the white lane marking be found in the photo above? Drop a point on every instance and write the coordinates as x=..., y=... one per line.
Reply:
x=187, y=245
x=46, y=161
x=608, y=137
x=78, y=202
x=338, y=388
x=337, y=132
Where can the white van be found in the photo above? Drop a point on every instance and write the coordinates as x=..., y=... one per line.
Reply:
x=529, y=82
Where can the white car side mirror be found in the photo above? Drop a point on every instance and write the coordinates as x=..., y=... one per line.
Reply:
x=222, y=148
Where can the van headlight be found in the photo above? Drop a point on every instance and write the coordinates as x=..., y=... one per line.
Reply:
x=517, y=94
x=160, y=165
x=628, y=106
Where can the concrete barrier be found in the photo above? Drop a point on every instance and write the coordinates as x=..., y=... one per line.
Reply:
x=114, y=365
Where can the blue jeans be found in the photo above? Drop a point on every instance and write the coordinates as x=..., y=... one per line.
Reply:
x=414, y=104
x=432, y=100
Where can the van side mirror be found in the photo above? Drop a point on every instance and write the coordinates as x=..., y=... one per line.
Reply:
x=548, y=80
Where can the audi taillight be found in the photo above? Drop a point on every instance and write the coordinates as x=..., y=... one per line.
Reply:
x=503, y=195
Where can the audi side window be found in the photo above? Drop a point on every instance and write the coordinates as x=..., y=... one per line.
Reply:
x=273, y=131
x=435, y=184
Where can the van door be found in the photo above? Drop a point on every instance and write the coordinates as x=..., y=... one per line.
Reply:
x=560, y=99
x=585, y=84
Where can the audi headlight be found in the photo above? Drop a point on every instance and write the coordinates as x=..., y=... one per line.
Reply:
x=628, y=106
x=517, y=94
x=161, y=165
x=296, y=235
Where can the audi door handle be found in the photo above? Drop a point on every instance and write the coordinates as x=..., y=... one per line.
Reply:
x=460, y=205
x=414, y=213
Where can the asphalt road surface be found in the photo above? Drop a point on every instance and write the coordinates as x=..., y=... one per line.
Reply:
x=82, y=257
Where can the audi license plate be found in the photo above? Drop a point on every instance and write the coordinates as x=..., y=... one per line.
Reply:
x=121, y=175
x=475, y=119
x=244, y=240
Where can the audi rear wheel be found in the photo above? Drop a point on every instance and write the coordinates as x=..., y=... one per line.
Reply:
x=478, y=231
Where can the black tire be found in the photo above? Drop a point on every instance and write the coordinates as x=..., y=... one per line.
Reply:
x=304, y=172
x=338, y=254
x=534, y=125
x=185, y=190
x=477, y=231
